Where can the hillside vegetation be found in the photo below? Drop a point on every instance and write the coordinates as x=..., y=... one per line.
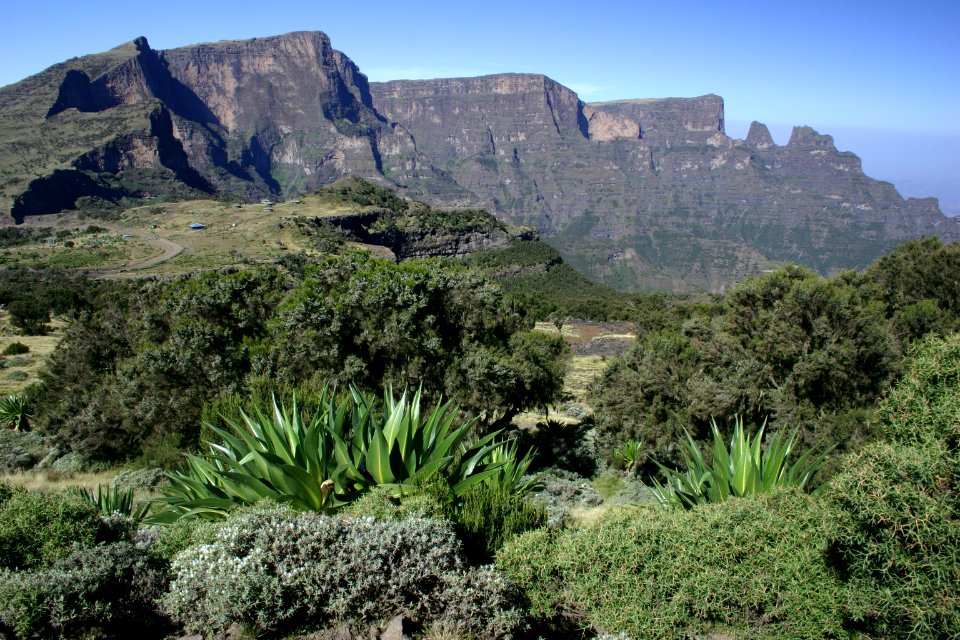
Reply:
x=324, y=469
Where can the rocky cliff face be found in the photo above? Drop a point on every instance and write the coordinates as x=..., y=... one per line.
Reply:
x=653, y=192
x=277, y=115
x=638, y=193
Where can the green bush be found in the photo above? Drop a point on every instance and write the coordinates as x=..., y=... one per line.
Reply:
x=15, y=349
x=101, y=591
x=899, y=538
x=753, y=568
x=487, y=517
x=143, y=480
x=804, y=353
x=273, y=569
x=167, y=541
x=36, y=528
x=381, y=504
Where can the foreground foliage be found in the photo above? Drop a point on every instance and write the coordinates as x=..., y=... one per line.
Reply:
x=747, y=568
x=273, y=569
x=876, y=552
x=94, y=592
x=899, y=538
x=743, y=469
x=322, y=463
x=37, y=528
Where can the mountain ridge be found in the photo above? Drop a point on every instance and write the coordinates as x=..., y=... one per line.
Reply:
x=639, y=193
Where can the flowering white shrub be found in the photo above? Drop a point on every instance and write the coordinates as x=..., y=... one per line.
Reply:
x=273, y=568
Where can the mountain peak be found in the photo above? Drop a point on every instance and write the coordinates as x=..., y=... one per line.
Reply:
x=759, y=136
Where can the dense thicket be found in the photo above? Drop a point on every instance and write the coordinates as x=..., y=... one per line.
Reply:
x=794, y=349
x=875, y=554
x=31, y=297
x=132, y=376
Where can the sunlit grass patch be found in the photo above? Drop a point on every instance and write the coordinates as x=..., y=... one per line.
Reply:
x=49, y=480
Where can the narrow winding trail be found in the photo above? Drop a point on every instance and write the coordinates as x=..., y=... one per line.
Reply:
x=170, y=249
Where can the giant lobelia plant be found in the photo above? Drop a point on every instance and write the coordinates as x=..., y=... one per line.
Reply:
x=323, y=463
x=14, y=412
x=743, y=469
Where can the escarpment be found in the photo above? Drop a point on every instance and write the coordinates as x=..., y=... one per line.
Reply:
x=639, y=193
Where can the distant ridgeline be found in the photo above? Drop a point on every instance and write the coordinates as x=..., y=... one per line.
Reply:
x=637, y=193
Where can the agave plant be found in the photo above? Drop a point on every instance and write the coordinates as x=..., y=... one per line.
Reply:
x=628, y=454
x=743, y=469
x=324, y=463
x=511, y=476
x=409, y=448
x=275, y=455
x=112, y=500
x=14, y=412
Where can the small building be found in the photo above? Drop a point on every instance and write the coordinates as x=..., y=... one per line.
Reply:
x=198, y=225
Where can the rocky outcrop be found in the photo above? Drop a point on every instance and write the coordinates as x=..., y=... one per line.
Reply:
x=279, y=115
x=407, y=239
x=667, y=122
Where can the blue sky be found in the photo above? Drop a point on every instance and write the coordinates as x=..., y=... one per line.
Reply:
x=882, y=77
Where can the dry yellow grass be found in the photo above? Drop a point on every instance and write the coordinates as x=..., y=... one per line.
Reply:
x=233, y=234
x=21, y=371
x=58, y=481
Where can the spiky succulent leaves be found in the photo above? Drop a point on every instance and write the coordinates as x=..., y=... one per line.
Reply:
x=509, y=478
x=412, y=448
x=628, y=453
x=743, y=469
x=278, y=457
x=110, y=500
x=14, y=412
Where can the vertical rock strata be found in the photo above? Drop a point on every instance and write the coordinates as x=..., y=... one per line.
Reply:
x=653, y=192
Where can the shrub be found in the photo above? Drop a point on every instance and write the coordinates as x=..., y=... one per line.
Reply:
x=99, y=591
x=20, y=450
x=898, y=538
x=381, y=504
x=809, y=354
x=563, y=446
x=37, y=528
x=745, y=568
x=486, y=517
x=563, y=491
x=273, y=569
x=30, y=316
x=481, y=602
x=15, y=349
x=139, y=479
x=165, y=542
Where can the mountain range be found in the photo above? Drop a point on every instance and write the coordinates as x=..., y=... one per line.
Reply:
x=647, y=193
